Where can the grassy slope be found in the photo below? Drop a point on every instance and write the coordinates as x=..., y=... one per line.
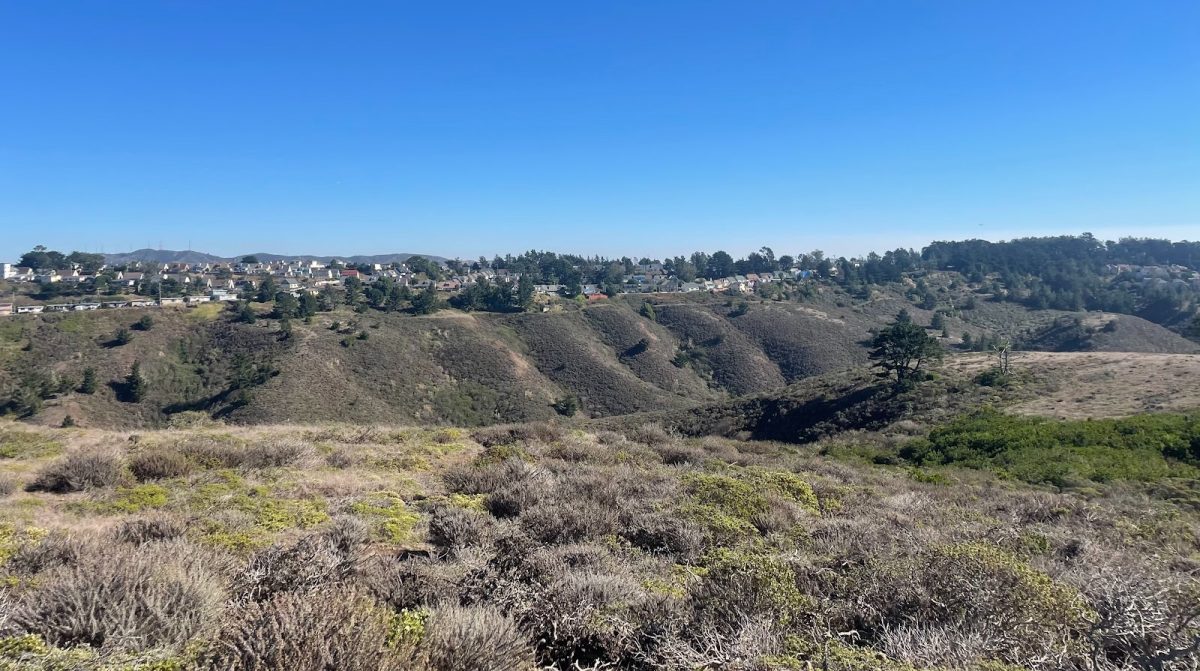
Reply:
x=460, y=369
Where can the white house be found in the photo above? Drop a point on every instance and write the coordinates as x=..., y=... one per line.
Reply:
x=7, y=270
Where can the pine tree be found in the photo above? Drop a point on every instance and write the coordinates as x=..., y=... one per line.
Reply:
x=426, y=302
x=901, y=349
x=88, y=385
x=246, y=313
x=135, y=384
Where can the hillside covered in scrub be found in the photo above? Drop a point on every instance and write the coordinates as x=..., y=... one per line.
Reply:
x=537, y=547
x=626, y=355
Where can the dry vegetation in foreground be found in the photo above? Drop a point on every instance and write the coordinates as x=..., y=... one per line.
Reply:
x=531, y=546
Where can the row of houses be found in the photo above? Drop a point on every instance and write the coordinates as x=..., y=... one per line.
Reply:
x=8, y=309
x=297, y=277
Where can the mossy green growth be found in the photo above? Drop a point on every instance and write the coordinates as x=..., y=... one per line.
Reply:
x=277, y=514
x=30, y=653
x=16, y=444
x=131, y=500
x=805, y=654
x=267, y=512
x=406, y=628
x=476, y=502
x=784, y=483
x=758, y=580
x=392, y=520
x=728, y=502
x=500, y=453
x=1030, y=591
x=12, y=538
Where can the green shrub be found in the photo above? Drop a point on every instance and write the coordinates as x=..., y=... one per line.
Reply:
x=1064, y=453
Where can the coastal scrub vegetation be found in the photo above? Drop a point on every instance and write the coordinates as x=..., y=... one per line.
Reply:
x=539, y=546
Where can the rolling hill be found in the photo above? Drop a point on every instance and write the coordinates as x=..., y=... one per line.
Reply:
x=472, y=369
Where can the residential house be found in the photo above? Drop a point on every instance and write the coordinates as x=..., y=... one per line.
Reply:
x=6, y=309
x=7, y=270
x=30, y=309
x=171, y=301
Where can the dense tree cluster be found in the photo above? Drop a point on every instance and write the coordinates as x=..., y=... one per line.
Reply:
x=40, y=258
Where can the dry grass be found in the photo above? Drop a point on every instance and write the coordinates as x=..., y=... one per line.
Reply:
x=563, y=549
x=1078, y=385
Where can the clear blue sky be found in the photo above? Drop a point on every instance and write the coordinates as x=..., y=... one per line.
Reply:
x=594, y=127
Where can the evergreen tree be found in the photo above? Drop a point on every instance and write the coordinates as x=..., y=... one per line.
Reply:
x=308, y=305
x=266, y=290
x=245, y=313
x=135, y=384
x=88, y=385
x=647, y=311
x=353, y=290
x=426, y=302
x=525, y=292
x=902, y=348
x=285, y=305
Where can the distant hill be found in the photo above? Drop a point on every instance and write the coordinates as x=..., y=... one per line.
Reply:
x=712, y=363
x=174, y=256
x=1106, y=332
x=162, y=256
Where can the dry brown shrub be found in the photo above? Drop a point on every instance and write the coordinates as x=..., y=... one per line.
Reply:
x=558, y=523
x=665, y=534
x=418, y=582
x=275, y=452
x=314, y=561
x=158, y=595
x=650, y=434
x=453, y=528
x=8, y=485
x=56, y=549
x=159, y=464
x=681, y=455
x=92, y=469
x=342, y=457
x=475, y=638
x=511, y=434
x=151, y=529
x=311, y=631
x=610, y=438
